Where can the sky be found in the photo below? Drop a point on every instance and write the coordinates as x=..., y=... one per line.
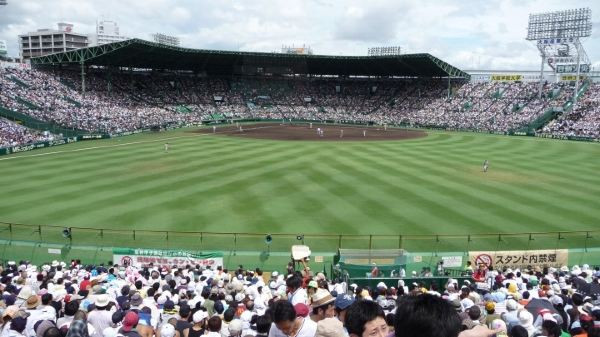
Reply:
x=472, y=35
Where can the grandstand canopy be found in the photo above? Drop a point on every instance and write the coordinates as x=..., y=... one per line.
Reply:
x=136, y=53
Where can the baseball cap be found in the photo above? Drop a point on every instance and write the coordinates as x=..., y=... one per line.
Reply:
x=343, y=301
x=301, y=310
x=130, y=320
x=199, y=316
x=167, y=330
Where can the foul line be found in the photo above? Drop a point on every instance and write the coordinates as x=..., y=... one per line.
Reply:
x=130, y=143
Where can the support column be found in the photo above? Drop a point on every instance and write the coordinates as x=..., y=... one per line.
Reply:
x=82, y=78
x=578, y=46
x=541, y=76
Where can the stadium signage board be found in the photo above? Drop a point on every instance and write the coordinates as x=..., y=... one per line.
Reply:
x=521, y=258
x=572, y=77
x=557, y=41
x=40, y=145
x=507, y=78
x=166, y=258
x=572, y=68
x=452, y=261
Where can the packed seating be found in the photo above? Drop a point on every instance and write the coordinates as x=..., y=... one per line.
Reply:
x=13, y=134
x=127, y=101
x=58, y=299
x=583, y=121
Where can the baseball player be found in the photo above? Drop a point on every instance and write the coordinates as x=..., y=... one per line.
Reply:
x=486, y=164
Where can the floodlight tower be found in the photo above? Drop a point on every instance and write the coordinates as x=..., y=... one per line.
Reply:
x=558, y=35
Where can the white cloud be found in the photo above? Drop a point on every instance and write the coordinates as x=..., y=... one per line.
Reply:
x=469, y=34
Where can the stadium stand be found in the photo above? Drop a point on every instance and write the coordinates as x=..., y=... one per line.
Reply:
x=72, y=299
x=415, y=90
x=12, y=134
x=135, y=101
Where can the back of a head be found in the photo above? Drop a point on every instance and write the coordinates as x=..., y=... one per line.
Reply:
x=71, y=308
x=52, y=332
x=518, y=331
x=214, y=324
x=474, y=312
x=80, y=315
x=235, y=328
x=552, y=328
x=263, y=324
x=46, y=299
x=577, y=299
x=184, y=311
x=283, y=311
x=426, y=316
x=229, y=314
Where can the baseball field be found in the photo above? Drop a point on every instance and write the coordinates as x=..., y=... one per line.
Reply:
x=391, y=184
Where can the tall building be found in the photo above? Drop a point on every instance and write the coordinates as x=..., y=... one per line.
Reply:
x=165, y=39
x=48, y=41
x=106, y=32
x=3, y=49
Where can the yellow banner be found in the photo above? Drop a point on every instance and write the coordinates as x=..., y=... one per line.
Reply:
x=521, y=258
x=507, y=78
x=571, y=77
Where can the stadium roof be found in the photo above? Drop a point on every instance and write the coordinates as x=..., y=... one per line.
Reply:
x=138, y=53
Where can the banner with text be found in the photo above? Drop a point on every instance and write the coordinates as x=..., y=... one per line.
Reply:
x=521, y=258
x=507, y=78
x=145, y=257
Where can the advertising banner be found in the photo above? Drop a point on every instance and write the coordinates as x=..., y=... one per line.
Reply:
x=507, y=78
x=180, y=258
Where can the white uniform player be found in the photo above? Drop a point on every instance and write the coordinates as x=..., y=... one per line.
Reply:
x=214, y=129
x=166, y=147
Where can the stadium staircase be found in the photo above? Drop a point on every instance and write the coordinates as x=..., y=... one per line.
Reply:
x=72, y=101
x=28, y=104
x=37, y=124
x=19, y=82
x=552, y=113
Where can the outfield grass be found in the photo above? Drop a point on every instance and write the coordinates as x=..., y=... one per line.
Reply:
x=432, y=185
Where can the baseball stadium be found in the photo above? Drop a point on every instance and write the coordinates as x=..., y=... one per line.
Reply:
x=145, y=150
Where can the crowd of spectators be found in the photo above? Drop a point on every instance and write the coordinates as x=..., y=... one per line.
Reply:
x=76, y=300
x=13, y=134
x=583, y=121
x=127, y=101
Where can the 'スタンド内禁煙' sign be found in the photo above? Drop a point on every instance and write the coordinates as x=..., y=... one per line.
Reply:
x=521, y=258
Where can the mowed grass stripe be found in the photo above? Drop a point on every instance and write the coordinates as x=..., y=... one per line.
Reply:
x=534, y=185
x=142, y=186
x=419, y=192
x=109, y=174
x=432, y=211
x=514, y=196
x=184, y=189
x=432, y=177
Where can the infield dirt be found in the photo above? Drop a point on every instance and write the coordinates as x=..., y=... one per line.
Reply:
x=299, y=132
